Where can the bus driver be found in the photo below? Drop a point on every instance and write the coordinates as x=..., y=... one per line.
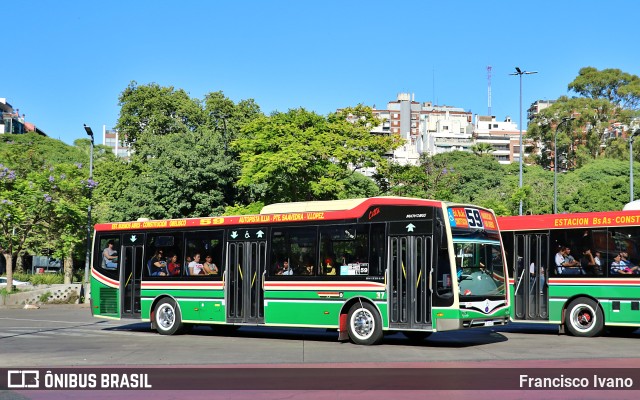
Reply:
x=109, y=256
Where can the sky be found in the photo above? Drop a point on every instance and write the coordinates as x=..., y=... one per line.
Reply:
x=65, y=63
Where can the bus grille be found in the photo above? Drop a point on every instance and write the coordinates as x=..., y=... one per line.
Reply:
x=108, y=303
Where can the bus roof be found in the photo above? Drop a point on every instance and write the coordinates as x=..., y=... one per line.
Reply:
x=574, y=220
x=281, y=212
x=340, y=205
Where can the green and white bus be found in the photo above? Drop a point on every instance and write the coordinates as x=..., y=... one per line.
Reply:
x=361, y=266
x=598, y=290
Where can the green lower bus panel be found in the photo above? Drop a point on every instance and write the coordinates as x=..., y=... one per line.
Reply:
x=302, y=313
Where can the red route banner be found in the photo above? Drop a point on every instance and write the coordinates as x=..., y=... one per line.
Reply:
x=460, y=217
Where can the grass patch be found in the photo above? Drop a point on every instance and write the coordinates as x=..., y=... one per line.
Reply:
x=4, y=292
x=48, y=279
x=44, y=297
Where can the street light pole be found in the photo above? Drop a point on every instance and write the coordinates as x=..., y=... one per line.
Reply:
x=519, y=72
x=555, y=164
x=87, y=294
x=636, y=133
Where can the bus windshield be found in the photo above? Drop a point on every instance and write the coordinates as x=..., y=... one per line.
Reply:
x=479, y=266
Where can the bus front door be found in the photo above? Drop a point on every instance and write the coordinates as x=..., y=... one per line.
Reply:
x=243, y=279
x=531, y=271
x=130, y=277
x=408, y=281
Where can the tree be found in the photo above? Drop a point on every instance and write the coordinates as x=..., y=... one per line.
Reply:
x=606, y=98
x=182, y=165
x=620, y=88
x=481, y=149
x=41, y=203
x=302, y=156
x=149, y=111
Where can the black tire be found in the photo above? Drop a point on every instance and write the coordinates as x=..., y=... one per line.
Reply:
x=416, y=336
x=583, y=317
x=365, y=324
x=167, y=317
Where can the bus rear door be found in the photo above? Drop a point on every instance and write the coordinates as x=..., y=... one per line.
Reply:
x=531, y=271
x=244, y=276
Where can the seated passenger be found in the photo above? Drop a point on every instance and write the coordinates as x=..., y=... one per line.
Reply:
x=174, y=267
x=209, y=268
x=619, y=267
x=195, y=268
x=329, y=269
x=565, y=264
x=157, y=265
x=286, y=269
x=588, y=263
x=308, y=271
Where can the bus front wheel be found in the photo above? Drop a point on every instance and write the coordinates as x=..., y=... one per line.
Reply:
x=584, y=317
x=167, y=317
x=365, y=324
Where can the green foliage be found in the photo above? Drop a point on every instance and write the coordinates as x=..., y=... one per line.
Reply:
x=183, y=165
x=44, y=297
x=482, y=149
x=42, y=279
x=607, y=97
x=250, y=209
x=301, y=156
x=150, y=111
x=44, y=194
x=357, y=185
x=613, y=85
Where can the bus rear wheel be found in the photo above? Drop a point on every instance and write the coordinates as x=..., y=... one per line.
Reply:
x=584, y=317
x=365, y=324
x=167, y=317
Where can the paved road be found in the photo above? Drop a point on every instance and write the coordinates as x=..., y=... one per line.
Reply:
x=68, y=336
x=64, y=335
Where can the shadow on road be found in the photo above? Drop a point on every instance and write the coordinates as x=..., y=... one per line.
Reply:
x=450, y=339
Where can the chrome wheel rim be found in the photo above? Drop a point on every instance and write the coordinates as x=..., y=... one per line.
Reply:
x=166, y=317
x=363, y=323
x=583, y=317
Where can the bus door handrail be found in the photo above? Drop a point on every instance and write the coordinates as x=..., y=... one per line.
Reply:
x=519, y=282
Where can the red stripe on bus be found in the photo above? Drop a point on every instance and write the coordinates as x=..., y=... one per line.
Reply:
x=324, y=283
x=103, y=279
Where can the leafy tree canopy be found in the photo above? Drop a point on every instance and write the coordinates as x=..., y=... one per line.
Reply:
x=300, y=155
x=182, y=165
x=613, y=85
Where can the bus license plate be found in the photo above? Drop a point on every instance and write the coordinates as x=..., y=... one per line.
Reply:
x=488, y=323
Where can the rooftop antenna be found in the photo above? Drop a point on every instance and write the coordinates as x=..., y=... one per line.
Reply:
x=489, y=87
x=433, y=86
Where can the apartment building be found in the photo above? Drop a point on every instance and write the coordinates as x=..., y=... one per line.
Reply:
x=538, y=106
x=503, y=136
x=112, y=139
x=13, y=122
x=425, y=128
